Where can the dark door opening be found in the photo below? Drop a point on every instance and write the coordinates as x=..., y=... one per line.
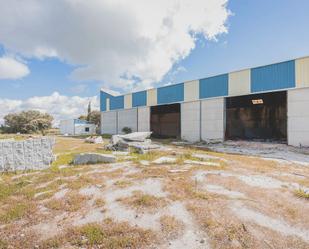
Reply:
x=258, y=116
x=165, y=121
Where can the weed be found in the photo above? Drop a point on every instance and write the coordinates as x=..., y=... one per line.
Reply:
x=106, y=235
x=71, y=203
x=15, y=212
x=141, y=200
x=302, y=194
x=123, y=183
x=99, y=202
x=170, y=226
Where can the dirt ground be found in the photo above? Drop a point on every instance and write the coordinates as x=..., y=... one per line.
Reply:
x=194, y=198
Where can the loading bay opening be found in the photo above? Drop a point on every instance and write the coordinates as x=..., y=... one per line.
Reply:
x=257, y=116
x=165, y=121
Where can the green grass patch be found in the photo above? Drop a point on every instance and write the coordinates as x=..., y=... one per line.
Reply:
x=301, y=194
x=15, y=212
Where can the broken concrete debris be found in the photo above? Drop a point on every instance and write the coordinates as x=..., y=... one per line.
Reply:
x=202, y=163
x=136, y=140
x=94, y=139
x=88, y=158
x=165, y=159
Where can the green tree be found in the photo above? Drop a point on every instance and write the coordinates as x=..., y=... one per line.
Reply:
x=95, y=118
x=27, y=122
x=89, y=111
x=83, y=117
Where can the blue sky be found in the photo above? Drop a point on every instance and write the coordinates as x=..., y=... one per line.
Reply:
x=259, y=32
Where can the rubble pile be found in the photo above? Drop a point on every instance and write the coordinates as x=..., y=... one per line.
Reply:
x=94, y=140
x=138, y=141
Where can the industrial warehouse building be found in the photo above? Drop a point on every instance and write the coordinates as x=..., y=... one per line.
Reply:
x=268, y=102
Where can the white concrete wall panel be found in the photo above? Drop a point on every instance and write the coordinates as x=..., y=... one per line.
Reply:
x=109, y=122
x=80, y=129
x=143, y=118
x=67, y=127
x=107, y=104
x=127, y=118
x=128, y=101
x=151, y=97
x=191, y=90
x=239, y=83
x=212, y=115
x=190, y=121
x=298, y=117
x=302, y=72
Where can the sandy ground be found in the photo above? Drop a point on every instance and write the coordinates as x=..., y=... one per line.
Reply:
x=191, y=198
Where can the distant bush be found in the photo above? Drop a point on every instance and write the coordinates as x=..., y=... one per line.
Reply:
x=27, y=122
x=126, y=130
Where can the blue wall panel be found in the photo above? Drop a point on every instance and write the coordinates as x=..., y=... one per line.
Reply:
x=116, y=102
x=273, y=77
x=170, y=94
x=139, y=99
x=103, y=97
x=214, y=86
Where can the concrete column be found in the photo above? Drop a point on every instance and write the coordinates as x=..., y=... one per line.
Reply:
x=190, y=121
x=298, y=117
x=143, y=118
x=212, y=117
x=127, y=118
x=109, y=122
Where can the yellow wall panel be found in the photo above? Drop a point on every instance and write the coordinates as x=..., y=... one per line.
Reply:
x=191, y=90
x=128, y=101
x=302, y=72
x=151, y=97
x=239, y=83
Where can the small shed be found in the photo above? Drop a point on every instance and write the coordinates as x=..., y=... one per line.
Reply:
x=77, y=127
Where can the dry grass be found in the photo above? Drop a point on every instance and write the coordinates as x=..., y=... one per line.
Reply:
x=139, y=200
x=99, y=202
x=224, y=231
x=106, y=235
x=171, y=227
x=123, y=183
x=72, y=202
x=16, y=211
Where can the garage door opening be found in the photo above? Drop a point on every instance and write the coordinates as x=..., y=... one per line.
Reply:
x=258, y=116
x=165, y=121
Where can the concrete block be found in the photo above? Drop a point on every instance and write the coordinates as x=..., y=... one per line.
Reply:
x=91, y=158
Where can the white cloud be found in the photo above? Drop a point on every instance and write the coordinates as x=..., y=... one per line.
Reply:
x=10, y=68
x=60, y=106
x=118, y=42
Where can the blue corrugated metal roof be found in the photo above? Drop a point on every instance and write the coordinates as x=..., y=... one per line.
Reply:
x=116, y=102
x=139, y=98
x=170, y=94
x=214, y=86
x=273, y=77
